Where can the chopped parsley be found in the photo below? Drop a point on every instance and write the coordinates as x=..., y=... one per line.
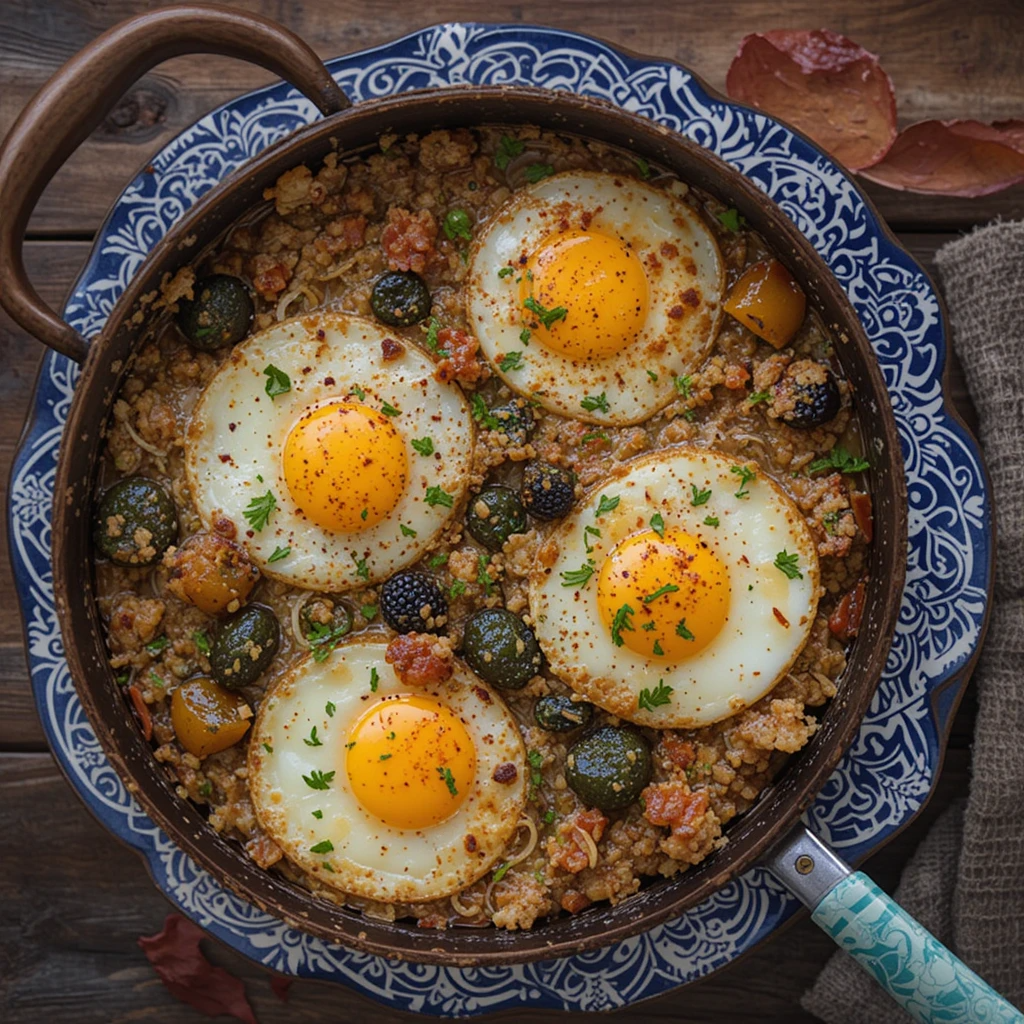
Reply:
x=269, y=749
x=506, y=272
x=457, y=225
x=511, y=361
x=594, y=435
x=318, y=815
x=621, y=622
x=439, y=496
x=330, y=707
x=457, y=589
x=656, y=698
x=606, y=504
x=323, y=638
x=389, y=410
x=746, y=474
x=205, y=789
x=647, y=627
x=682, y=631
x=658, y=524
x=759, y=396
x=423, y=445
x=161, y=643
x=364, y=514
x=657, y=648
x=536, y=761
x=711, y=520
x=524, y=335
x=653, y=376
x=349, y=746
x=202, y=642
x=588, y=532
x=839, y=458
x=578, y=577
x=448, y=779
x=279, y=553
x=732, y=219
x=407, y=531
x=501, y=870
x=549, y=816
x=643, y=167
x=700, y=497
x=317, y=779
x=359, y=392
x=482, y=414
x=431, y=339
x=314, y=740
x=508, y=149
x=368, y=611
x=592, y=402
x=668, y=588
x=830, y=520
x=278, y=382
x=156, y=680
x=787, y=565
x=538, y=172
x=257, y=512
x=546, y=316
x=436, y=561
x=384, y=757
x=374, y=679
x=482, y=575
x=362, y=570
x=325, y=846
x=684, y=385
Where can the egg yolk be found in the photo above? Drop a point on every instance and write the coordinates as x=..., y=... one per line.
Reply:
x=598, y=281
x=663, y=597
x=345, y=465
x=410, y=761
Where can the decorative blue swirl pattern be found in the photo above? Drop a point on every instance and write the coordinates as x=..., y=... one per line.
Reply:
x=887, y=773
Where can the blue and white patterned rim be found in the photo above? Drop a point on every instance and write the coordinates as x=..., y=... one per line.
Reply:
x=889, y=770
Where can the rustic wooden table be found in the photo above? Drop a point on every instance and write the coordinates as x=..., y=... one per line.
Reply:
x=73, y=900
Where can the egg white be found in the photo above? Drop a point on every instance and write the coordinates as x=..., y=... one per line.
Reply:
x=752, y=651
x=237, y=433
x=647, y=219
x=370, y=858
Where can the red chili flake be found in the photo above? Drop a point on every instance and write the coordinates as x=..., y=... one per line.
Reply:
x=225, y=458
x=225, y=527
x=391, y=349
x=320, y=335
x=145, y=719
x=328, y=382
x=505, y=773
x=482, y=694
x=179, y=962
x=782, y=618
x=280, y=986
x=470, y=843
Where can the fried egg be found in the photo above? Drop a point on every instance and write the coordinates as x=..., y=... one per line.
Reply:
x=383, y=790
x=679, y=591
x=591, y=292
x=331, y=449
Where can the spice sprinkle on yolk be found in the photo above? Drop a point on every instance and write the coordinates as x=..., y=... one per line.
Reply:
x=345, y=465
x=410, y=761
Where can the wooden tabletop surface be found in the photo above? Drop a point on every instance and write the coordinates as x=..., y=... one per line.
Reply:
x=73, y=901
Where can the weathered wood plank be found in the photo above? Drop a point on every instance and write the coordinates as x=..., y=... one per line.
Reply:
x=932, y=52
x=75, y=905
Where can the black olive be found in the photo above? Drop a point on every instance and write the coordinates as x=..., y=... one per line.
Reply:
x=558, y=713
x=244, y=646
x=400, y=298
x=219, y=314
x=548, y=491
x=609, y=768
x=501, y=649
x=807, y=395
x=135, y=522
x=412, y=602
x=515, y=420
x=494, y=515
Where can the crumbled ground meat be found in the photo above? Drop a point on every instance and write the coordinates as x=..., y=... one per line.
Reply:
x=461, y=363
x=568, y=849
x=408, y=239
x=421, y=659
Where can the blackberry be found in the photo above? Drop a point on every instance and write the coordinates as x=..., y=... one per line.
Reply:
x=515, y=420
x=548, y=492
x=493, y=516
x=412, y=602
x=807, y=396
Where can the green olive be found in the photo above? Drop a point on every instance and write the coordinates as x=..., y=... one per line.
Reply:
x=558, y=713
x=135, y=522
x=219, y=314
x=400, y=298
x=501, y=649
x=245, y=646
x=609, y=768
x=494, y=515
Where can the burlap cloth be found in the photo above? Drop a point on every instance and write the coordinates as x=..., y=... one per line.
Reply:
x=965, y=883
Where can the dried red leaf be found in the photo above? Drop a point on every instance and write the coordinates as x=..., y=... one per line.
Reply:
x=954, y=158
x=280, y=987
x=844, y=622
x=861, y=505
x=191, y=978
x=822, y=83
x=142, y=711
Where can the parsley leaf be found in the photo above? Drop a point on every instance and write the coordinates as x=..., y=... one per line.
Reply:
x=389, y=410
x=511, y=361
x=590, y=531
x=257, y=512
x=407, y=531
x=269, y=749
x=508, y=149
x=732, y=219
x=314, y=740
x=524, y=335
x=368, y=611
x=657, y=649
x=318, y=780
x=653, y=376
x=682, y=631
x=606, y=504
x=668, y=588
x=161, y=643
x=423, y=445
x=457, y=225
x=643, y=167
x=658, y=524
x=594, y=435
x=431, y=339
x=621, y=622
x=374, y=679
x=537, y=172
x=325, y=846
x=323, y=638
x=330, y=707
x=436, y=561
x=656, y=698
x=448, y=779
x=546, y=316
x=359, y=392
x=278, y=382
x=787, y=565
x=711, y=520
x=482, y=414
x=759, y=396
x=592, y=402
x=362, y=569
x=457, y=589
x=482, y=575
x=684, y=385
x=318, y=815
x=839, y=458
x=501, y=870
x=578, y=577
x=700, y=497
x=280, y=553
x=506, y=272
x=746, y=474
x=202, y=642
x=439, y=496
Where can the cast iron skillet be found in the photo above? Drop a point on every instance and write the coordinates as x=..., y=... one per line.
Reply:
x=48, y=131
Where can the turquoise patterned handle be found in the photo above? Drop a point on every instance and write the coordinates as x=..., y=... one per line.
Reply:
x=915, y=968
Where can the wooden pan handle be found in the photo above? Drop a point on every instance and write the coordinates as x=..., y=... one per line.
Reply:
x=63, y=113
